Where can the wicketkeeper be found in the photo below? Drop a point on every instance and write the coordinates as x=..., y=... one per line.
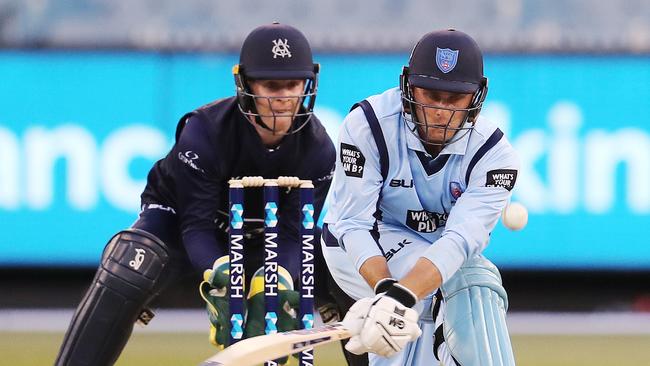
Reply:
x=268, y=129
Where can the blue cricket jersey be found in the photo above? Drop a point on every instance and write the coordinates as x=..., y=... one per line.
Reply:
x=452, y=201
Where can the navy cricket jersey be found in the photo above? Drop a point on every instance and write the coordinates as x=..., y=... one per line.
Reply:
x=216, y=143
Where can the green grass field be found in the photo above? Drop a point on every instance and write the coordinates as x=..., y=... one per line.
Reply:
x=165, y=349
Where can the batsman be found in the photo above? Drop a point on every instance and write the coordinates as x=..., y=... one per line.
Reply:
x=419, y=184
x=267, y=129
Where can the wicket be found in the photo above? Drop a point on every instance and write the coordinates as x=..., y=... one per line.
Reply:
x=236, y=253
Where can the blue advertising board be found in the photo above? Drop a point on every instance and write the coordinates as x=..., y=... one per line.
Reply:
x=79, y=131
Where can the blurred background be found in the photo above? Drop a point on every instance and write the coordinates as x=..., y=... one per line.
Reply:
x=91, y=91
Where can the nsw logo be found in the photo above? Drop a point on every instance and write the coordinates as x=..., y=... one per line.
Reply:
x=446, y=59
x=455, y=189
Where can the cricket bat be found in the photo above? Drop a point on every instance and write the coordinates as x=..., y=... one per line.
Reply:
x=255, y=350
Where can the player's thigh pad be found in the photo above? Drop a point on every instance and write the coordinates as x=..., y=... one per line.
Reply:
x=474, y=323
x=132, y=263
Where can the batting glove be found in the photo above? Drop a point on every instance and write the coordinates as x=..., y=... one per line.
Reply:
x=383, y=324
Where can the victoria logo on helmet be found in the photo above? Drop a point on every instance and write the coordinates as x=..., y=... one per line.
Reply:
x=446, y=59
x=280, y=48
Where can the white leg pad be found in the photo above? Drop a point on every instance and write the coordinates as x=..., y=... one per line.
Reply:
x=472, y=316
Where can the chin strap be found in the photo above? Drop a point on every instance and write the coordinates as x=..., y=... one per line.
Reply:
x=259, y=122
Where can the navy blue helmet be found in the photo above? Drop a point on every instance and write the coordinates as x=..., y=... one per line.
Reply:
x=449, y=61
x=276, y=52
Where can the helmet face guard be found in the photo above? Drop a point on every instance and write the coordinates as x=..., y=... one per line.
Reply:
x=248, y=101
x=421, y=128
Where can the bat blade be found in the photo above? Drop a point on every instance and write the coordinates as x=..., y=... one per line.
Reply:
x=255, y=350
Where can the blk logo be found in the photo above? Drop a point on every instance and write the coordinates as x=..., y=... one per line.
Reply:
x=392, y=251
x=401, y=183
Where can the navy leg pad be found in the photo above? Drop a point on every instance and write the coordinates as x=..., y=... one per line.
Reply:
x=132, y=263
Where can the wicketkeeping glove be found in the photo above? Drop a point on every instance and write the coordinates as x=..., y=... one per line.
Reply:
x=383, y=324
x=288, y=302
x=329, y=313
x=214, y=290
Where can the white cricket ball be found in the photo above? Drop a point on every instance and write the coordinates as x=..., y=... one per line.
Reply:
x=514, y=216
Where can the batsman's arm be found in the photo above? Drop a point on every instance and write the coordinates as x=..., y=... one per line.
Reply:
x=423, y=278
x=374, y=269
x=476, y=212
x=468, y=227
x=355, y=190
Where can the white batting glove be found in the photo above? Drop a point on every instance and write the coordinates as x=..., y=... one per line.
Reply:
x=354, y=320
x=388, y=325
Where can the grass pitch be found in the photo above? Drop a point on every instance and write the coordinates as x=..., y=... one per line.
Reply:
x=167, y=349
